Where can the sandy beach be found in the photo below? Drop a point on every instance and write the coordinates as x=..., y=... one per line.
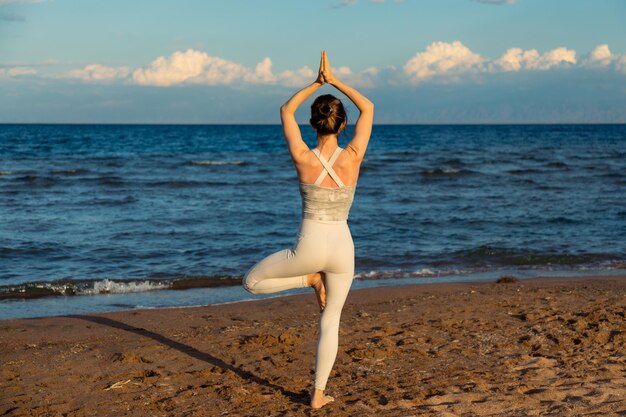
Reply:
x=534, y=347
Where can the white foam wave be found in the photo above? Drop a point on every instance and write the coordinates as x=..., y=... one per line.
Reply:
x=424, y=272
x=403, y=273
x=111, y=287
x=379, y=274
x=217, y=162
x=6, y=172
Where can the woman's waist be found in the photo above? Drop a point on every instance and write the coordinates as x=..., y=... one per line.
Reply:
x=321, y=195
x=315, y=226
x=339, y=206
x=330, y=223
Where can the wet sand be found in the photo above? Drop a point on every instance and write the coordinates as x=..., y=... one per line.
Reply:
x=536, y=347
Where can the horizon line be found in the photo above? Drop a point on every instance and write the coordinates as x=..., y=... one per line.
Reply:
x=304, y=124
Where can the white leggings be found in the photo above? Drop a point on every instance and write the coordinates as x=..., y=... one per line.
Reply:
x=322, y=246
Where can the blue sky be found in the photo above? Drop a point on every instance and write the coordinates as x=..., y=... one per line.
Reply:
x=234, y=61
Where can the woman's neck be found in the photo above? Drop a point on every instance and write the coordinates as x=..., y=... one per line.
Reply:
x=327, y=142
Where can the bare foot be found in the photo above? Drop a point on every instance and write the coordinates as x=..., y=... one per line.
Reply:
x=319, y=400
x=316, y=281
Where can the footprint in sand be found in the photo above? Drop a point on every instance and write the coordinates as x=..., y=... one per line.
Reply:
x=538, y=368
x=7, y=375
x=268, y=340
x=129, y=357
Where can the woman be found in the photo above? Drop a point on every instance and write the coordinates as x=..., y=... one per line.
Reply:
x=323, y=257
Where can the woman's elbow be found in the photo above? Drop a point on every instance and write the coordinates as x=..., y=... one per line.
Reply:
x=284, y=110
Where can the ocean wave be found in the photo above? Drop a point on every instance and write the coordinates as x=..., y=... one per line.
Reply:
x=37, y=181
x=401, y=273
x=454, y=162
x=109, y=181
x=564, y=220
x=89, y=287
x=110, y=201
x=525, y=171
x=69, y=288
x=70, y=172
x=446, y=172
x=116, y=181
x=557, y=164
x=108, y=286
x=86, y=287
x=200, y=162
x=507, y=257
x=111, y=286
x=26, y=250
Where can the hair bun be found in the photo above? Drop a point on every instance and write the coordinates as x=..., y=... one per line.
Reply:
x=328, y=115
x=326, y=110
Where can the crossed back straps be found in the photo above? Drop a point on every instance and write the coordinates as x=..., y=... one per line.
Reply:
x=328, y=167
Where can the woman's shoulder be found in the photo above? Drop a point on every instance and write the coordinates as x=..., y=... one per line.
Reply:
x=349, y=157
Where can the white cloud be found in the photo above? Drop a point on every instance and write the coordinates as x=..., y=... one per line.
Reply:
x=441, y=58
x=99, y=73
x=17, y=72
x=196, y=67
x=554, y=58
x=304, y=75
x=439, y=62
x=601, y=56
x=189, y=67
x=516, y=59
x=296, y=78
x=363, y=78
x=262, y=73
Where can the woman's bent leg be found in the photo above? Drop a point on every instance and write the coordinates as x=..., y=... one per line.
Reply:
x=286, y=269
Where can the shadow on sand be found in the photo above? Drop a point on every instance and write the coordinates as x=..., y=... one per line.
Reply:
x=299, y=397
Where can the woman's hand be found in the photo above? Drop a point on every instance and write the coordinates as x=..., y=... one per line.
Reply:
x=326, y=71
x=320, y=73
x=324, y=74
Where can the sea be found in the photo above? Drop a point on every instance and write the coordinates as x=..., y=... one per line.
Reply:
x=106, y=217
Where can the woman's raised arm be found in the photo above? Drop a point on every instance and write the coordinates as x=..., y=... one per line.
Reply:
x=291, y=130
x=363, y=127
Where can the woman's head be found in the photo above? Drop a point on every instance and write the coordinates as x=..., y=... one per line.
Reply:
x=328, y=115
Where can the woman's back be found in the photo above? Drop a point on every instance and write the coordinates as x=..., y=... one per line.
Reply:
x=345, y=166
x=327, y=203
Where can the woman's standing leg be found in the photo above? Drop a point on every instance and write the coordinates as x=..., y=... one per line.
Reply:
x=339, y=276
x=337, y=288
